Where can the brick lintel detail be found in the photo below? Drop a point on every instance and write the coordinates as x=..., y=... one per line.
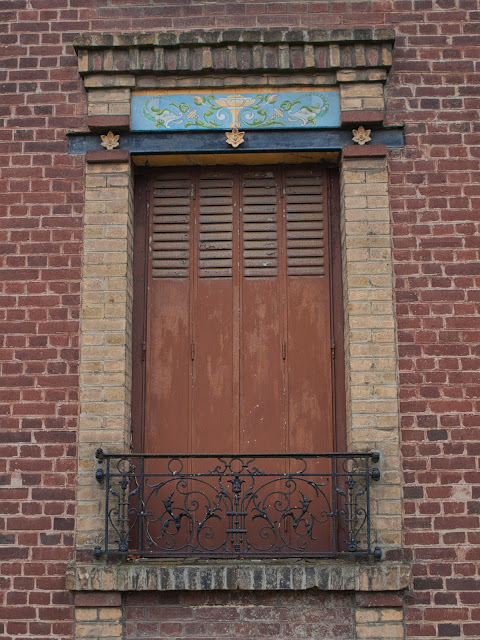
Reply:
x=113, y=155
x=365, y=151
x=104, y=123
x=236, y=51
x=358, y=116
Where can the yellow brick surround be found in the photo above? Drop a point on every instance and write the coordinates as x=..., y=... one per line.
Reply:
x=370, y=347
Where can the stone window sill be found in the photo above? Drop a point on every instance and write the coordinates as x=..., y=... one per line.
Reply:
x=203, y=575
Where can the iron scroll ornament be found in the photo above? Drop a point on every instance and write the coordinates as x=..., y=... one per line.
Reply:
x=237, y=506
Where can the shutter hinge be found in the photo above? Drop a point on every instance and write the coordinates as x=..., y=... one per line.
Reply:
x=144, y=350
x=192, y=351
x=332, y=348
x=284, y=350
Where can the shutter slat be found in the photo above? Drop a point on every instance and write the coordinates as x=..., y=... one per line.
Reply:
x=299, y=234
x=172, y=201
x=262, y=272
x=170, y=264
x=305, y=243
x=216, y=184
x=306, y=271
x=216, y=273
x=266, y=190
x=168, y=273
x=214, y=255
x=171, y=192
x=258, y=217
x=213, y=262
x=299, y=207
x=298, y=261
x=169, y=228
x=260, y=209
x=302, y=200
x=169, y=237
x=171, y=245
x=224, y=201
x=260, y=253
x=260, y=226
x=304, y=225
x=210, y=218
x=304, y=216
x=218, y=236
x=160, y=255
x=313, y=251
x=260, y=236
x=262, y=244
x=300, y=180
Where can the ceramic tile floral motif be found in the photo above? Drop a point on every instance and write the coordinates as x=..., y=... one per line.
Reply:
x=235, y=111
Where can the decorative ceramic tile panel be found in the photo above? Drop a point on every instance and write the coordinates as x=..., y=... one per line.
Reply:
x=235, y=110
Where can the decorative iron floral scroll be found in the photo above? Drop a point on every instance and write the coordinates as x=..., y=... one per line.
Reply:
x=237, y=506
x=264, y=110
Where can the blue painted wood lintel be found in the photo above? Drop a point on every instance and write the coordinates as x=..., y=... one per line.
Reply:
x=215, y=141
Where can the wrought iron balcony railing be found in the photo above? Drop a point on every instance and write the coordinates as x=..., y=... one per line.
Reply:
x=237, y=506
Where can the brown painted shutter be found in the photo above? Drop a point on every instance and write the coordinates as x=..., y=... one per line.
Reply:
x=214, y=307
x=262, y=369
x=239, y=330
x=309, y=334
x=168, y=372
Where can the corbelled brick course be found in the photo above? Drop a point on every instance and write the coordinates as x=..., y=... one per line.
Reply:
x=236, y=50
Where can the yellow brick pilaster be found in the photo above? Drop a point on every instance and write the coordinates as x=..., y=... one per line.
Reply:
x=106, y=321
x=370, y=341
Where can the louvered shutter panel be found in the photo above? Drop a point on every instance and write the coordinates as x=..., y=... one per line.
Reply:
x=171, y=226
x=305, y=222
x=260, y=223
x=239, y=331
x=215, y=193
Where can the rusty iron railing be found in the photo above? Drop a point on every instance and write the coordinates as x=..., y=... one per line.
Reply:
x=237, y=506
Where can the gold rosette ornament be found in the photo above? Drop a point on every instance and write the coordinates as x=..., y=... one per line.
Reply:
x=235, y=137
x=110, y=141
x=361, y=135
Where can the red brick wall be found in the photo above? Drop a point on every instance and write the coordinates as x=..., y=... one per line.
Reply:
x=233, y=615
x=435, y=91
x=435, y=200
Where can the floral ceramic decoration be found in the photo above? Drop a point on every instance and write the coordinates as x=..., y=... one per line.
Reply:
x=235, y=137
x=361, y=135
x=180, y=112
x=110, y=141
